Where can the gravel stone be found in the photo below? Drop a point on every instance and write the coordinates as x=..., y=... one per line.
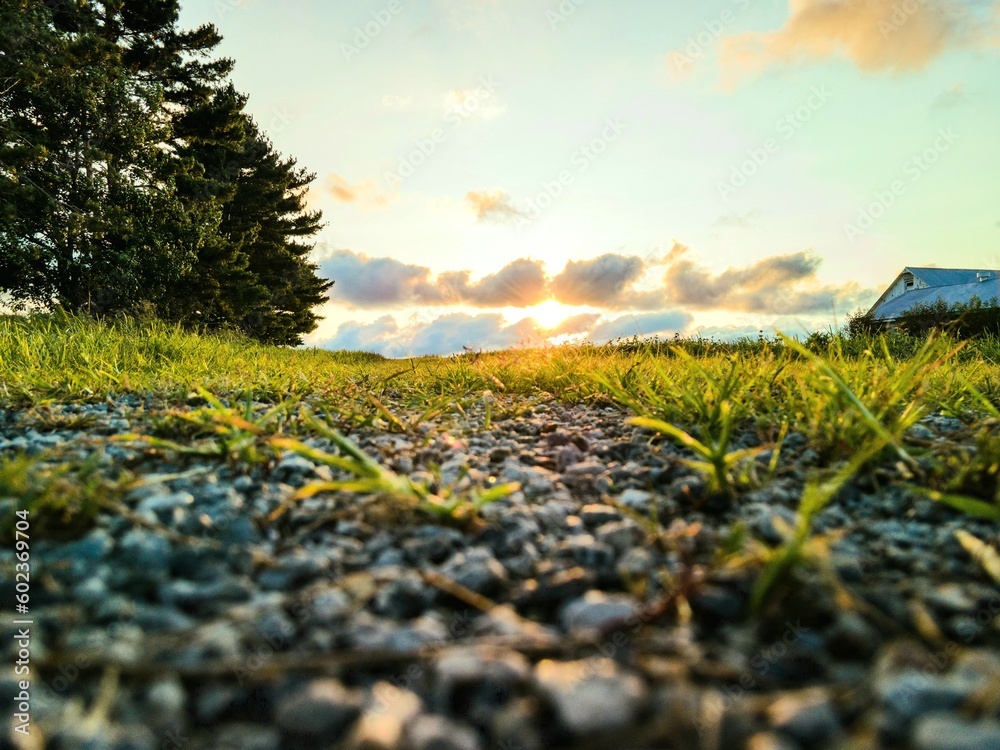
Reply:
x=165, y=702
x=321, y=710
x=595, y=610
x=762, y=520
x=430, y=732
x=809, y=717
x=329, y=607
x=621, y=536
x=382, y=725
x=909, y=694
x=588, y=552
x=475, y=682
x=478, y=570
x=592, y=695
x=161, y=506
x=943, y=732
x=248, y=737
x=147, y=553
x=597, y=514
x=635, y=563
x=637, y=500
x=921, y=432
x=403, y=598
x=770, y=741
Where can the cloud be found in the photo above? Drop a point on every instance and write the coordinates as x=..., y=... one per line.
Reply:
x=664, y=323
x=367, y=282
x=676, y=252
x=602, y=282
x=455, y=332
x=368, y=337
x=365, y=192
x=363, y=281
x=772, y=285
x=447, y=334
x=876, y=35
x=522, y=283
x=576, y=324
x=493, y=205
x=784, y=288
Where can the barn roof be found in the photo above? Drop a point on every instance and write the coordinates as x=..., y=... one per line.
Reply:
x=947, y=276
x=951, y=294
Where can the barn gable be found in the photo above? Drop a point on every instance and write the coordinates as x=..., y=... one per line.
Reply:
x=953, y=286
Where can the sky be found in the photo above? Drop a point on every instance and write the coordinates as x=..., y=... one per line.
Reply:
x=496, y=173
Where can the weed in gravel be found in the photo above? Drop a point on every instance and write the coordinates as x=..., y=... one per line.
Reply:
x=45, y=418
x=716, y=462
x=816, y=495
x=233, y=435
x=431, y=409
x=368, y=477
x=712, y=402
x=984, y=554
x=63, y=499
x=966, y=476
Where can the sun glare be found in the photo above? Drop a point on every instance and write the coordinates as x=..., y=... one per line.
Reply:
x=549, y=314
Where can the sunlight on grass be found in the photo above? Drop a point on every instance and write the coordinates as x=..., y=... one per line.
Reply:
x=722, y=405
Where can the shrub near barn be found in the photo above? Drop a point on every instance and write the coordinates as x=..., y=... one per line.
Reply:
x=964, y=319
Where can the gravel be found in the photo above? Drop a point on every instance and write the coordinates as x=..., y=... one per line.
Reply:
x=561, y=618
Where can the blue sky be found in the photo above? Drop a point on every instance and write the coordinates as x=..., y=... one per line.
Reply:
x=495, y=172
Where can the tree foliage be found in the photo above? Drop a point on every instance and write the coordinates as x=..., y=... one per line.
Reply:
x=132, y=177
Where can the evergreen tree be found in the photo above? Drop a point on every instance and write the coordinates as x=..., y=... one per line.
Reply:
x=131, y=174
x=79, y=164
x=268, y=217
x=254, y=274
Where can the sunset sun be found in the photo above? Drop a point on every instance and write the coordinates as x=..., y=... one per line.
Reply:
x=549, y=314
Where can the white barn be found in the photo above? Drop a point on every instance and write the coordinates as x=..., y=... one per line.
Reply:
x=929, y=285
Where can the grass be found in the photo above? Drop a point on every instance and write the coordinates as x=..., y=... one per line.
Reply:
x=367, y=476
x=61, y=497
x=722, y=406
x=50, y=357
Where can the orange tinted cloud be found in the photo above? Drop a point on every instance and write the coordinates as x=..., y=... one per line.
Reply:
x=876, y=35
x=365, y=192
x=779, y=284
x=492, y=205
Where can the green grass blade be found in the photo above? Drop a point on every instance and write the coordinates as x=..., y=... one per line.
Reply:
x=682, y=437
